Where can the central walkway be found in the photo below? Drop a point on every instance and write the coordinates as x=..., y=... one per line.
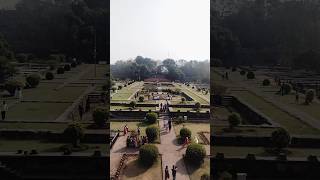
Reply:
x=170, y=150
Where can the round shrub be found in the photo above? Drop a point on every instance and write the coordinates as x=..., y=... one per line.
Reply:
x=60, y=70
x=99, y=117
x=73, y=64
x=114, y=89
x=195, y=154
x=12, y=85
x=183, y=99
x=280, y=138
x=242, y=72
x=151, y=117
x=148, y=154
x=309, y=96
x=67, y=67
x=141, y=99
x=234, y=120
x=152, y=133
x=185, y=132
x=286, y=88
x=133, y=104
x=74, y=132
x=250, y=75
x=33, y=80
x=266, y=82
x=197, y=105
x=49, y=76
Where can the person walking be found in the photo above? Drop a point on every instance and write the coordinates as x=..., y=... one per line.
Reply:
x=174, y=172
x=4, y=109
x=170, y=125
x=166, y=173
x=138, y=130
x=80, y=109
x=297, y=97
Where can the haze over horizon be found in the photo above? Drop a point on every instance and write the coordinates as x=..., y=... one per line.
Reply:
x=176, y=29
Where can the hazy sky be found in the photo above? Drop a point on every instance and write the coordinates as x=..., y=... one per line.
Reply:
x=178, y=29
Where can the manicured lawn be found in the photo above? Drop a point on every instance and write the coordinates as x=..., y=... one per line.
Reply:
x=253, y=131
x=260, y=151
x=41, y=146
x=194, y=127
x=195, y=173
x=126, y=92
x=292, y=124
x=115, y=126
x=221, y=112
x=29, y=111
x=134, y=171
x=195, y=96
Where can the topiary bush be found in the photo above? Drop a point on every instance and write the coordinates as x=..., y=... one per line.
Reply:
x=197, y=106
x=309, y=96
x=287, y=88
x=242, y=72
x=250, y=75
x=151, y=117
x=152, y=133
x=141, y=99
x=280, y=139
x=234, y=120
x=133, y=104
x=60, y=70
x=119, y=87
x=185, y=132
x=266, y=82
x=33, y=80
x=195, y=154
x=183, y=100
x=67, y=67
x=148, y=155
x=12, y=85
x=49, y=76
x=74, y=133
x=100, y=117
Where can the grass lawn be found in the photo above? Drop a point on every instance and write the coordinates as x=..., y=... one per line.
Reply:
x=221, y=112
x=41, y=146
x=47, y=92
x=125, y=93
x=253, y=131
x=292, y=124
x=128, y=108
x=195, y=96
x=195, y=173
x=36, y=126
x=194, y=127
x=134, y=171
x=260, y=151
x=115, y=126
x=29, y=111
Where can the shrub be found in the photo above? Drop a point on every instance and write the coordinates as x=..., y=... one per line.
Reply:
x=151, y=117
x=119, y=87
x=67, y=67
x=99, y=117
x=309, y=96
x=33, y=80
x=12, y=85
x=74, y=132
x=114, y=89
x=148, y=154
x=195, y=154
x=141, y=99
x=183, y=99
x=197, y=105
x=280, y=138
x=266, y=82
x=73, y=64
x=242, y=72
x=60, y=70
x=152, y=133
x=286, y=88
x=234, y=120
x=49, y=76
x=250, y=75
x=133, y=104
x=185, y=132
x=234, y=69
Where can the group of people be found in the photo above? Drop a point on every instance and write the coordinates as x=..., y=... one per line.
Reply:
x=164, y=107
x=173, y=172
x=136, y=141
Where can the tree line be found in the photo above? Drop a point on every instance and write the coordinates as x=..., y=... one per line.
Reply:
x=69, y=27
x=268, y=33
x=142, y=68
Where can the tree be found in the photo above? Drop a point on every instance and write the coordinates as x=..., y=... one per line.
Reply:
x=234, y=120
x=148, y=155
x=141, y=99
x=280, y=139
x=74, y=132
x=195, y=154
x=33, y=80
